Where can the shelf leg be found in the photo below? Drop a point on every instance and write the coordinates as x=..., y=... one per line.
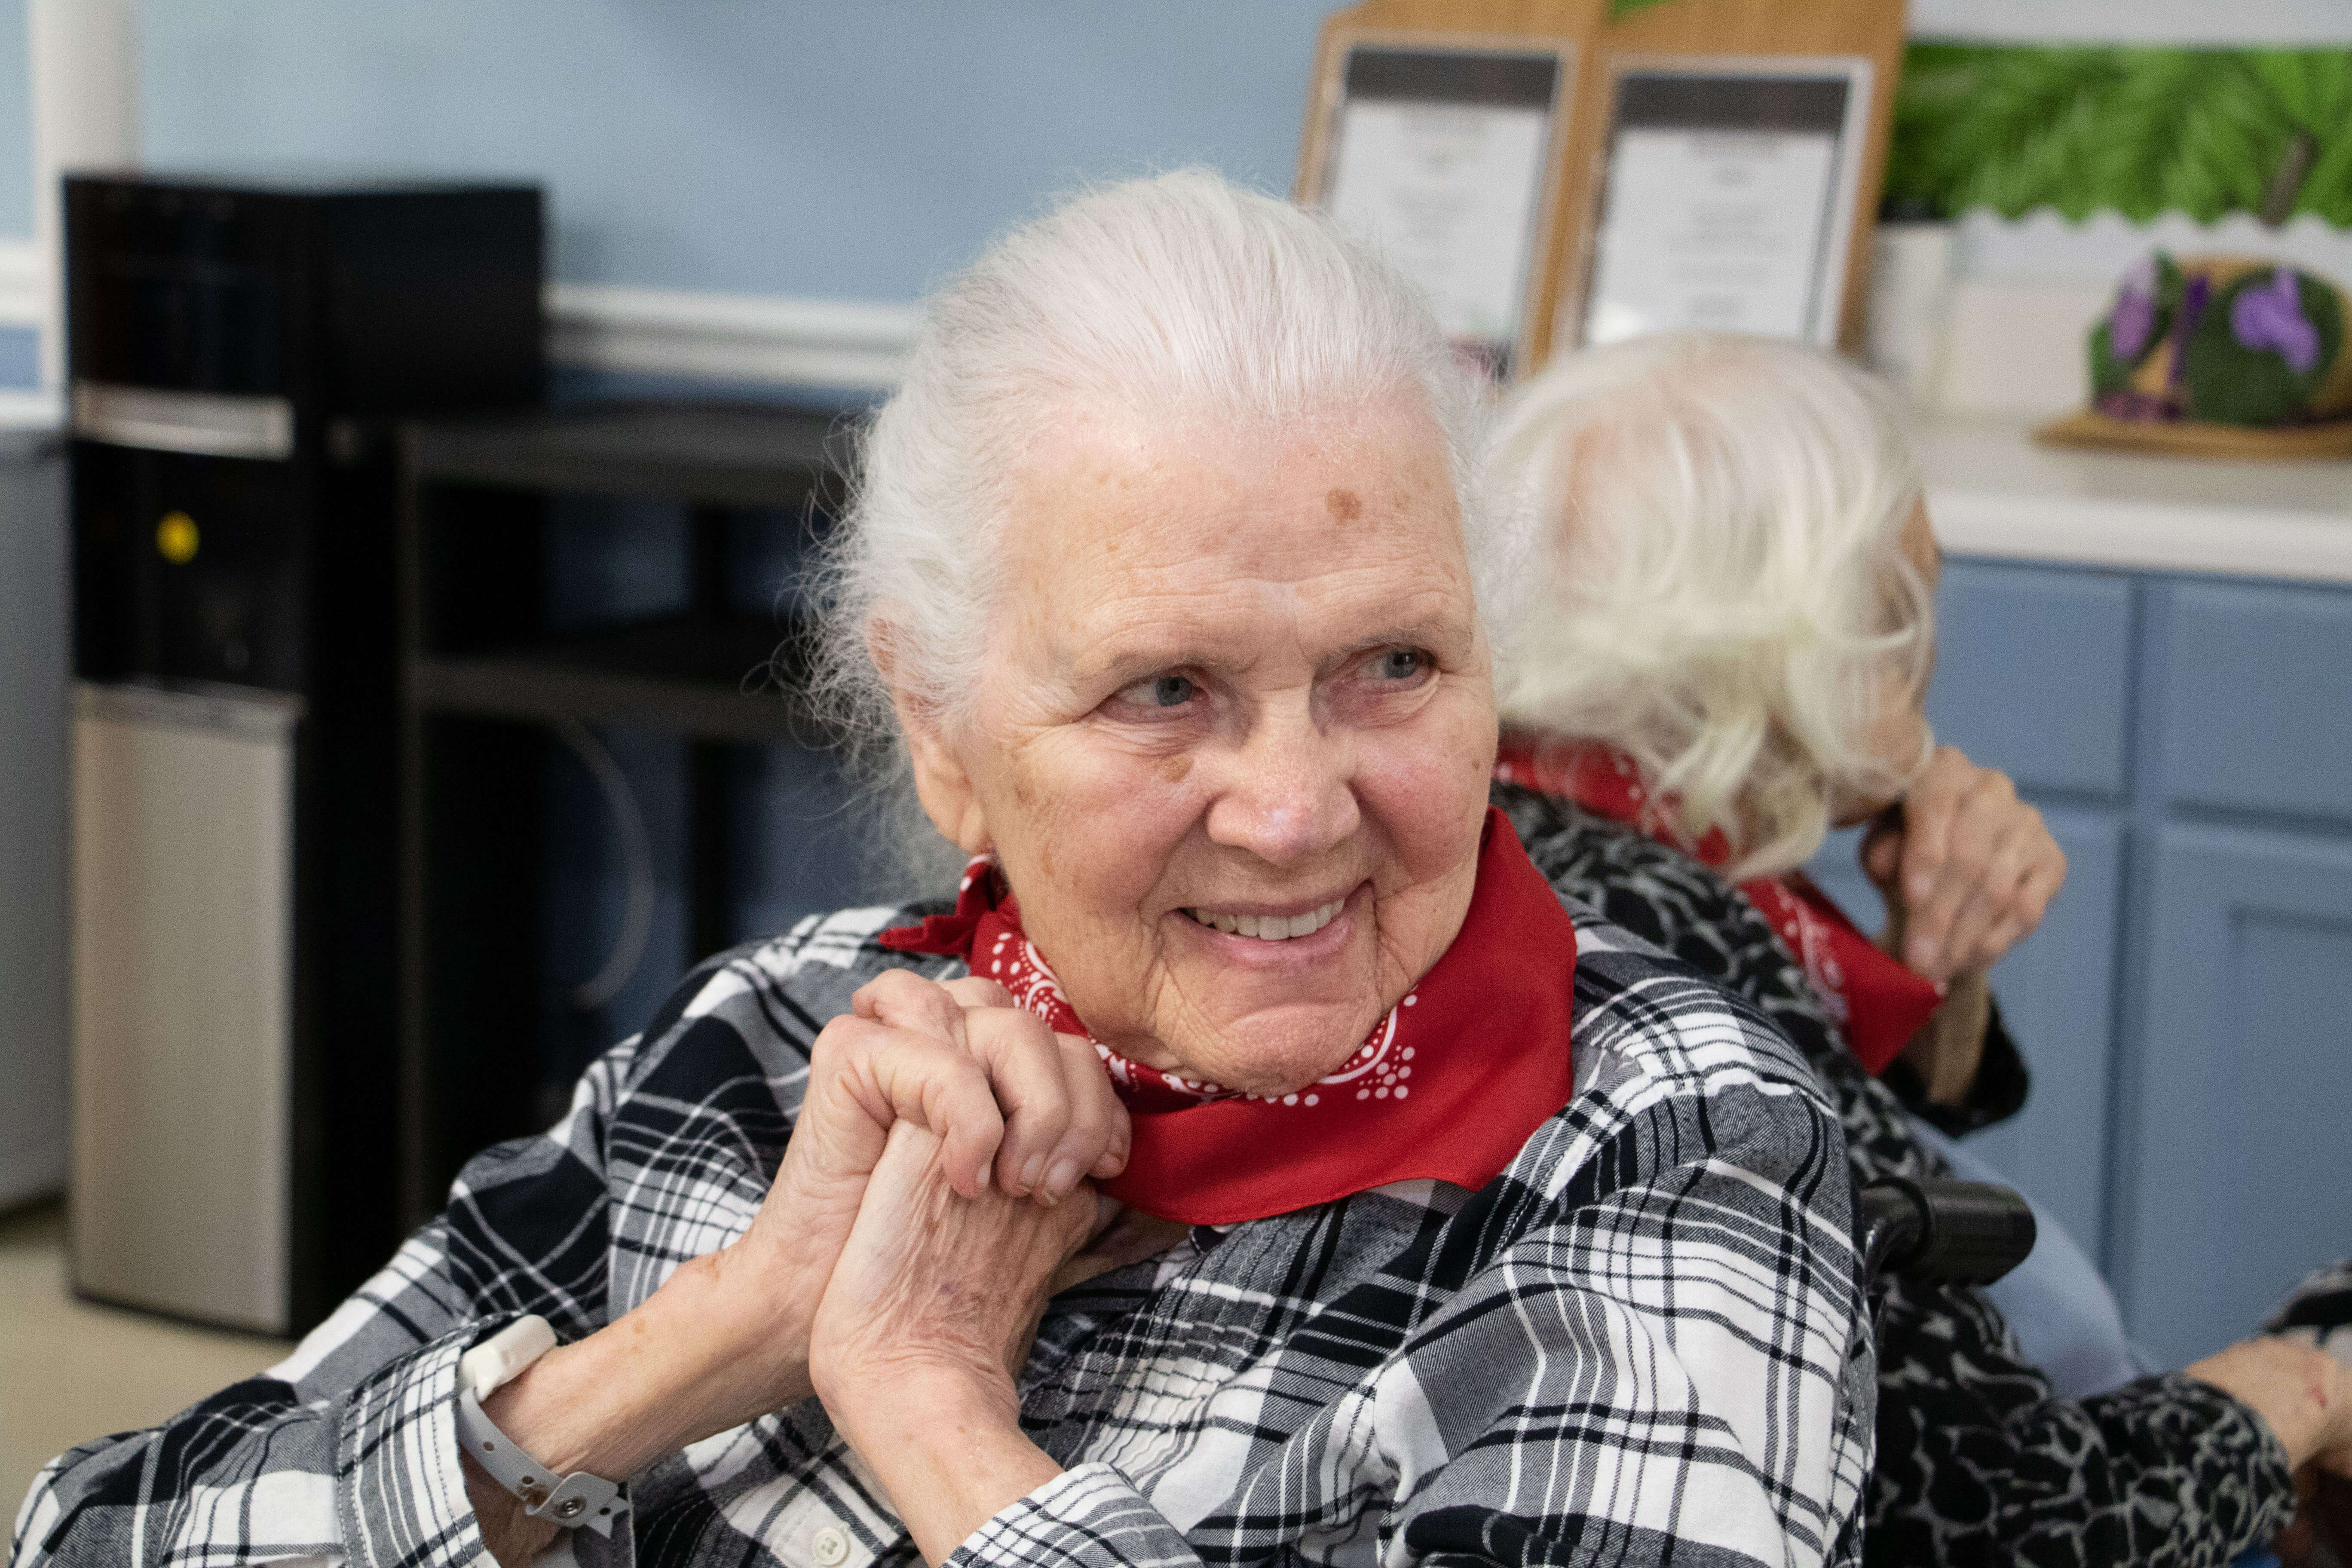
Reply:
x=710, y=926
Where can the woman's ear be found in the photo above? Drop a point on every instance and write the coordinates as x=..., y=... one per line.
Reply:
x=942, y=783
x=944, y=787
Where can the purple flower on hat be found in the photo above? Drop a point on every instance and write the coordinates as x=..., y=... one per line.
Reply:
x=2133, y=321
x=2271, y=317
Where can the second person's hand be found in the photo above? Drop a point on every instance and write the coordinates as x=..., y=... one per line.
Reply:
x=1966, y=868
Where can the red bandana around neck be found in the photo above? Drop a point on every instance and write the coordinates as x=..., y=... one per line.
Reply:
x=1449, y=1085
x=1878, y=1002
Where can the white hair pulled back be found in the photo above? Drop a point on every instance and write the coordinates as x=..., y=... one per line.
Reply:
x=1176, y=299
x=1724, y=587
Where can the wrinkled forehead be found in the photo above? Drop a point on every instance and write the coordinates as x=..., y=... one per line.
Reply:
x=1195, y=535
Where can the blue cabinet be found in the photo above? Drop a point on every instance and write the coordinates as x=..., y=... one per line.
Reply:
x=2257, y=713
x=2238, y=1158
x=2187, y=1006
x=2033, y=673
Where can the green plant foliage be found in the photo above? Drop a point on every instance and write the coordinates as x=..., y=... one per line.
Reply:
x=1627, y=7
x=2235, y=385
x=2134, y=131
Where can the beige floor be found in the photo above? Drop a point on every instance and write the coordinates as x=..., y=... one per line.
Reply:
x=70, y=1371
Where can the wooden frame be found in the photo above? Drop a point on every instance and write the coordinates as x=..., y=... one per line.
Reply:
x=1825, y=303
x=1558, y=30
x=1872, y=29
x=1776, y=31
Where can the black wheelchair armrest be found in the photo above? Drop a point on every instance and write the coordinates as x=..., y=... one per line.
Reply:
x=1953, y=1232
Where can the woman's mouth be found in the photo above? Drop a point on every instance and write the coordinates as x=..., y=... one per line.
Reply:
x=1269, y=928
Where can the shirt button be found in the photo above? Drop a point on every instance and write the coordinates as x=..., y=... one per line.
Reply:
x=831, y=1547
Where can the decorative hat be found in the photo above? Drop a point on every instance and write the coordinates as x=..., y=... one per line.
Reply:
x=2227, y=339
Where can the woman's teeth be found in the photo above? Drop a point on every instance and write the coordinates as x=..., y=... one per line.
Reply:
x=1271, y=928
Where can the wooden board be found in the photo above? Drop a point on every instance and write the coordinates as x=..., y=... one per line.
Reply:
x=1872, y=29
x=2197, y=438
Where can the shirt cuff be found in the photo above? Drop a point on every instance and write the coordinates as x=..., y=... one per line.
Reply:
x=2175, y=1423
x=1091, y=1516
x=1997, y=1093
x=399, y=1485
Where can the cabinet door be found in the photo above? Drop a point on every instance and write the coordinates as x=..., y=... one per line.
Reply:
x=2032, y=670
x=2056, y=991
x=2238, y=1172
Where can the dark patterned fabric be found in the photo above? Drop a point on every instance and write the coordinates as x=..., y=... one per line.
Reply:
x=1644, y=1342
x=1976, y=1463
x=2318, y=1312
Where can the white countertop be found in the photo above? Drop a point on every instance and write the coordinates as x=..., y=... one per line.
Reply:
x=1995, y=493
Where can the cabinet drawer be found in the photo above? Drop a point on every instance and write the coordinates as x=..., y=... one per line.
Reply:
x=2258, y=698
x=2032, y=670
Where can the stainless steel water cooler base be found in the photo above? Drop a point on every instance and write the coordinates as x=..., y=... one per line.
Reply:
x=182, y=1002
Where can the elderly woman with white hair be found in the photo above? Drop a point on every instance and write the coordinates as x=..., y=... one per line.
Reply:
x=1733, y=657
x=1256, y=1162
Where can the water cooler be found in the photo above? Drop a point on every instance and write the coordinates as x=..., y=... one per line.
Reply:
x=239, y=351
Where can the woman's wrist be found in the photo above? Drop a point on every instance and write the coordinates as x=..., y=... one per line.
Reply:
x=946, y=1446
x=2303, y=1394
x=701, y=1354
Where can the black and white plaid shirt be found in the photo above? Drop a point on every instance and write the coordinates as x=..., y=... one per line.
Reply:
x=1643, y=1341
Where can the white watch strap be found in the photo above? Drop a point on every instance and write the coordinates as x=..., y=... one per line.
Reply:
x=500, y=1359
x=569, y=1500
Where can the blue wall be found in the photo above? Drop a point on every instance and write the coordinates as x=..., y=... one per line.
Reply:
x=20, y=356
x=15, y=125
x=800, y=147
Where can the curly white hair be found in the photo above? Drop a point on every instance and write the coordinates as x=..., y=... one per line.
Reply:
x=1724, y=592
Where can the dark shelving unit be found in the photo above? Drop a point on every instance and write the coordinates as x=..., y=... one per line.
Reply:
x=487, y=675
x=688, y=674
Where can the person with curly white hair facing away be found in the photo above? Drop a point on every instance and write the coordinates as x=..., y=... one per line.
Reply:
x=1731, y=656
x=1240, y=1153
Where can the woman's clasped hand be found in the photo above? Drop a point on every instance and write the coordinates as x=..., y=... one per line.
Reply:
x=937, y=1181
x=1017, y=1118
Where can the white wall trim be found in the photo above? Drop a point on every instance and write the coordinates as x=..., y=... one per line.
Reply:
x=657, y=332
x=84, y=60
x=729, y=337
x=21, y=410
x=25, y=302
x=23, y=284
x=2242, y=23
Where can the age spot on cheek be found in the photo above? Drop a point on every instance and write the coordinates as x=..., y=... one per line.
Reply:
x=1344, y=505
x=1174, y=769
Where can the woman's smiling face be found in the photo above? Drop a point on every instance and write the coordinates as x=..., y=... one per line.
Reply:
x=1231, y=740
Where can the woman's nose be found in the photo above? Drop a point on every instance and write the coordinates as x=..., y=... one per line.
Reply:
x=1290, y=793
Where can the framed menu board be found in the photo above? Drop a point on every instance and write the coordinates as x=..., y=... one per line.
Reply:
x=1445, y=150
x=1728, y=196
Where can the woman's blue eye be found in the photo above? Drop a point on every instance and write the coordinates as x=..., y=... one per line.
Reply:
x=1161, y=691
x=1399, y=664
